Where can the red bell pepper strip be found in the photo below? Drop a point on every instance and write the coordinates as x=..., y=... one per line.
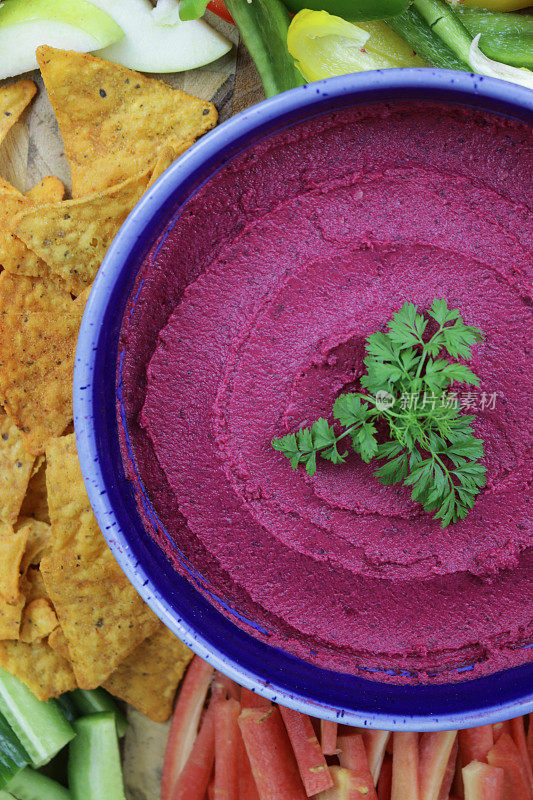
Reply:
x=311, y=762
x=185, y=722
x=273, y=764
x=218, y=8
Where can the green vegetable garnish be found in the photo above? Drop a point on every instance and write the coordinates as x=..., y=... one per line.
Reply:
x=431, y=446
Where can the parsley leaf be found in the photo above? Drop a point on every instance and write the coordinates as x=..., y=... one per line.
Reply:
x=431, y=447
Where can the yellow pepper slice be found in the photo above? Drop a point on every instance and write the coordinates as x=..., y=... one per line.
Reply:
x=323, y=45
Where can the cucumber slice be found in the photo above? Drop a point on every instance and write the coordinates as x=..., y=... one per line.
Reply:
x=31, y=785
x=40, y=726
x=68, y=707
x=94, y=701
x=94, y=770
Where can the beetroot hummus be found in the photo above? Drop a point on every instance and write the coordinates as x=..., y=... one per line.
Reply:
x=248, y=319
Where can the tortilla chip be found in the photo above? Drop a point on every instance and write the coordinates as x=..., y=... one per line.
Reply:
x=10, y=617
x=102, y=616
x=38, y=621
x=35, y=503
x=114, y=120
x=34, y=588
x=13, y=100
x=58, y=642
x=38, y=333
x=14, y=255
x=38, y=540
x=49, y=190
x=12, y=546
x=15, y=469
x=73, y=237
x=170, y=151
x=149, y=677
x=43, y=670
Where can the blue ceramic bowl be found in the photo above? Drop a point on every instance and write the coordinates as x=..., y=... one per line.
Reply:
x=269, y=671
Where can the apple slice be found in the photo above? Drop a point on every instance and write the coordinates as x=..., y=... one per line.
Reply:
x=68, y=24
x=160, y=42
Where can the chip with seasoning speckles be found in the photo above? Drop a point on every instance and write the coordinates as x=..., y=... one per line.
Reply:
x=72, y=237
x=40, y=667
x=12, y=547
x=149, y=677
x=13, y=100
x=37, y=357
x=100, y=613
x=113, y=119
x=16, y=466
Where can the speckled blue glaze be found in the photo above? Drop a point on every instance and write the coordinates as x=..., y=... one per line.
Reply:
x=267, y=670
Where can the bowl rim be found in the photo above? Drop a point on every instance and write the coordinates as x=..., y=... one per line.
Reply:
x=427, y=84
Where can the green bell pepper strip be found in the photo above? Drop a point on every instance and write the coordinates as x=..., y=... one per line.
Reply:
x=504, y=37
x=417, y=33
x=443, y=21
x=352, y=10
x=263, y=26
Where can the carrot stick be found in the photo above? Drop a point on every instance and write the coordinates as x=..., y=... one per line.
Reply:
x=352, y=756
x=475, y=743
x=311, y=762
x=458, y=790
x=211, y=791
x=530, y=739
x=375, y=744
x=435, y=749
x=250, y=699
x=185, y=722
x=193, y=780
x=346, y=786
x=519, y=738
x=227, y=740
x=328, y=737
x=273, y=764
x=449, y=773
x=247, y=787
x=223, y=687
x=505, y=755
x=501, y=727
x=385, y=779
x=482, y=782
x=405, y=767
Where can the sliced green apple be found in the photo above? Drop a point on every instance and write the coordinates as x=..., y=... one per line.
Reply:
x=160, y=42
x=70, y=24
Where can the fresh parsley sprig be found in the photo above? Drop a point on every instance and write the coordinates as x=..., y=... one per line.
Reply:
x=431, y=446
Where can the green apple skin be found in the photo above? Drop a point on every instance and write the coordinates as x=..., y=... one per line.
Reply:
x=70, y=24
x=152, y=47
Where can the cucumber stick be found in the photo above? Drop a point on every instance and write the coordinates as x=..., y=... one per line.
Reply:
x=13, y=756
x=94, y=701
x=94, y=770
x=40, y=726
x=31, y=785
